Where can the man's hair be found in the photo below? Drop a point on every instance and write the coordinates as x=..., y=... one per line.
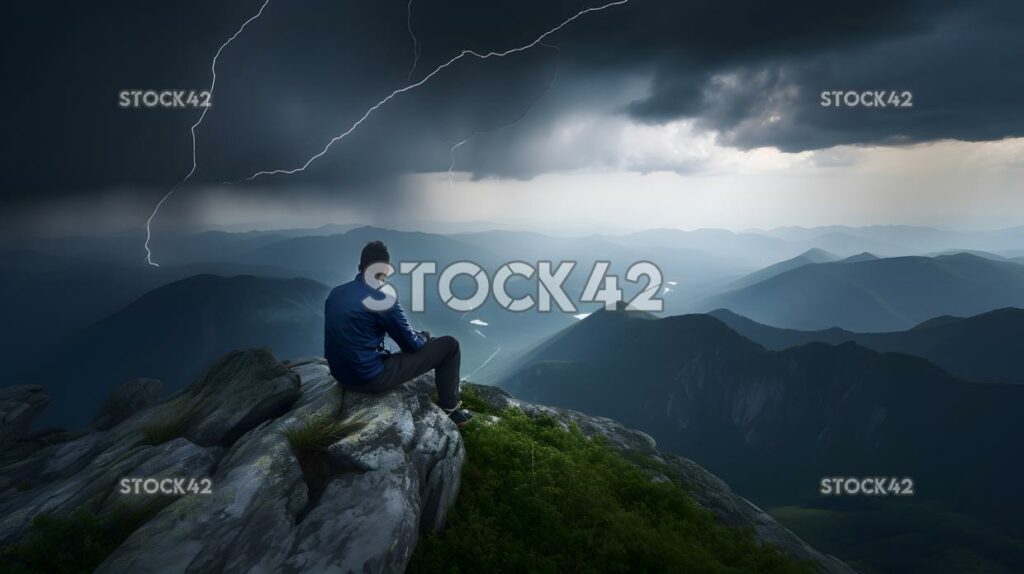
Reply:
x=374, y=252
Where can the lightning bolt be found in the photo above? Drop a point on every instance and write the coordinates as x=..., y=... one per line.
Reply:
x=415, y=42
x=463, y=54
x=451, y=151
x=195, y=166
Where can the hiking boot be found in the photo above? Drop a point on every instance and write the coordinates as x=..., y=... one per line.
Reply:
x=460, y=416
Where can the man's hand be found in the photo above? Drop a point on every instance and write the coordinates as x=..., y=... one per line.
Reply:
x=426, y=334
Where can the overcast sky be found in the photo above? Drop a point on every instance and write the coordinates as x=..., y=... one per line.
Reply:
x=653, y=113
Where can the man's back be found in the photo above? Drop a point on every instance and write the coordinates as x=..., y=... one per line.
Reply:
x=354, y=340
x=354, y=334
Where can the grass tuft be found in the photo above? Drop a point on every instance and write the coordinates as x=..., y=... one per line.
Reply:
x=309, y=440
x=319, y=431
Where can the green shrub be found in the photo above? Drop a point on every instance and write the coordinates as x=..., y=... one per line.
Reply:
x=537, y=498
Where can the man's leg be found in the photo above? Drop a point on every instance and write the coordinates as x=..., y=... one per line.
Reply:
x=446, y=375
x=441, y=354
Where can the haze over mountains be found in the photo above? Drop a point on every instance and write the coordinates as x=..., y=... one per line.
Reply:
x=54, y=288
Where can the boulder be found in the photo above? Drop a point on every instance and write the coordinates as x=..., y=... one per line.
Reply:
x=239, y=391
x=125, y=401
x=19, y=404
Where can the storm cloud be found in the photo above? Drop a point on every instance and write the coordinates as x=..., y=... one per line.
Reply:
x=748, y=72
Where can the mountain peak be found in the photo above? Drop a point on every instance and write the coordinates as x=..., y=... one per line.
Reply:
x=817, y=255
x=860, y=257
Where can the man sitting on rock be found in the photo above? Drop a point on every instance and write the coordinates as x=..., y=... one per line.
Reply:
x=354, y=341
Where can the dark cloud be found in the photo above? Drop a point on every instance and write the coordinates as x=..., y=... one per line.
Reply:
x=963, y=73
x=751, y=70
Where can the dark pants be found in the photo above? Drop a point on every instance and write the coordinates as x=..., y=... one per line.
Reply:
x=440, y=354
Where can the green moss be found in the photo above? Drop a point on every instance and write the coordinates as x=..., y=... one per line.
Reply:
x=538, y=498
x=76, y=542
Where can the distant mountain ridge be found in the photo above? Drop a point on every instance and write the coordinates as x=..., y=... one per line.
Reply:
x=986, y=347
x=172, y=332
x=814, y=255
x=46, y=297
x=878, y=294
x=907, y=238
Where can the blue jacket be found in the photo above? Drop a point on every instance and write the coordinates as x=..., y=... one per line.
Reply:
x=354, y=335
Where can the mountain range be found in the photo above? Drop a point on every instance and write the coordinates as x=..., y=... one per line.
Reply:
x=877, y=294
x=986, y=347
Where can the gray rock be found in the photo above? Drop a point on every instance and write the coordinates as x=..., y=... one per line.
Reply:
x=19, y=404
x=97, y=484
x=125, y=401
x=380, y=487
x=235, y=394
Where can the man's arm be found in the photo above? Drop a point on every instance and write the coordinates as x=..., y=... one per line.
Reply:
x=397, y=327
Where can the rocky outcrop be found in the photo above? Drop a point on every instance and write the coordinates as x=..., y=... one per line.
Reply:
x=302, y=475
x=361, y=505
x=125, y=401
x=19, y=404
x=381, y=486
x=237, y=393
